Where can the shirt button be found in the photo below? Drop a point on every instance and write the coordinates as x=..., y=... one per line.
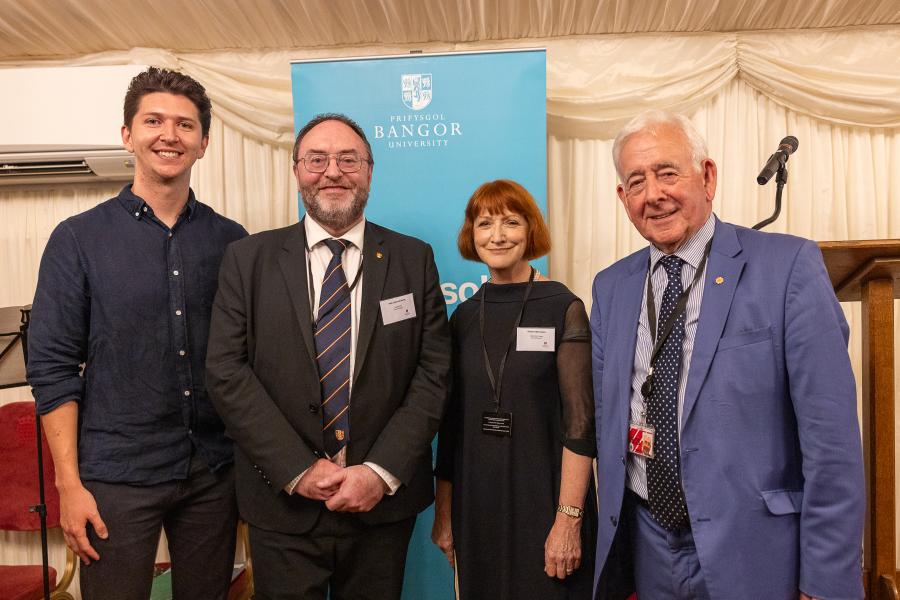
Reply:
x=137, y=214
x=145, y=209
x=313, y=408
x=171, y=234
x=181, y=353
x=614, y=521
x=175, y=272
x=178, y=312
x=187, y=392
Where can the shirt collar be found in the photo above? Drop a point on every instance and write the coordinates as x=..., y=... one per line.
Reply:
x=691, y=251
x=316, y=234
x=138, y=207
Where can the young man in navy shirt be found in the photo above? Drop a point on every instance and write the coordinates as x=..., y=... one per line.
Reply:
x=125, y=290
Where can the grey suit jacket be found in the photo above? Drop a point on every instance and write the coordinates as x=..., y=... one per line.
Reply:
x=263, y=379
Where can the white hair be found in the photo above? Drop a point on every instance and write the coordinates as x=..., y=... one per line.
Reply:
x=648, y=121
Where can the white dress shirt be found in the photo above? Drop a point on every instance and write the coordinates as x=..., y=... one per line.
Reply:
x=691, y=253
x=318, y=257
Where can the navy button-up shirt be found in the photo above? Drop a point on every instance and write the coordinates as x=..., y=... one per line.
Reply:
x=130, y=298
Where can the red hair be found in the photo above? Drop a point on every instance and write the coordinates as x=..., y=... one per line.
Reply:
x=495, y=197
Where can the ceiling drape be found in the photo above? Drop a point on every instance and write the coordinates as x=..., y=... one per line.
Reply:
x=32, y=29
x=846, y=77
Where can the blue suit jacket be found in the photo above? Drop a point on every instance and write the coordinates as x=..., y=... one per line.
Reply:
x=770, y=446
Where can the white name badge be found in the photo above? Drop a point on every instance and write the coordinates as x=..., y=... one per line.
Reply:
x=398, y=309
x=535, y=339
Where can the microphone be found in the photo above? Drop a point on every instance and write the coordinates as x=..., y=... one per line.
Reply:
x=787, y=147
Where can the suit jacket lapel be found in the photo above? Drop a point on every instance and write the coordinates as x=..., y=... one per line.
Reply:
x=723, y=262
x=292, y=261
x=627, y=303
x=375, y=266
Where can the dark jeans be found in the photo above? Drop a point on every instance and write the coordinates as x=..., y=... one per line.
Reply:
x=199, y=515
x=340, y=557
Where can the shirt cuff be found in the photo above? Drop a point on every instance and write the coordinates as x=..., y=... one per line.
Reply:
x=289, y=488
x=392, y=482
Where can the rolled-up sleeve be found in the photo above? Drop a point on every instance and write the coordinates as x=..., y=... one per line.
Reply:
x=60, y=321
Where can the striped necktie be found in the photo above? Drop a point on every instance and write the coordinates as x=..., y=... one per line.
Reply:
x=333, y=350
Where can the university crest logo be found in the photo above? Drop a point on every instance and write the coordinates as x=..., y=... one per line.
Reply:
x=416, y=90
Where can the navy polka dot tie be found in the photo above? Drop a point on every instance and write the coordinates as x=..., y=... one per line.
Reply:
x=666, y=498
x=333, y=350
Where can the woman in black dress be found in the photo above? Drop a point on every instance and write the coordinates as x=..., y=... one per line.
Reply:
x=515, y=511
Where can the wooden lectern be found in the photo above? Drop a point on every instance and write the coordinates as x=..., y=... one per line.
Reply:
x=869, y=272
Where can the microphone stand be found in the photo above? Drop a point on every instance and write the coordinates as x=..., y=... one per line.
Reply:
x=781, y=177
x=41, y=507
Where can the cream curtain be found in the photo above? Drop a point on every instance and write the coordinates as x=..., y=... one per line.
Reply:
x=838, y=91
x=844, y=182
x=594, y=84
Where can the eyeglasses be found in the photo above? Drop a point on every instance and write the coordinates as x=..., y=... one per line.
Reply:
x=318, y=163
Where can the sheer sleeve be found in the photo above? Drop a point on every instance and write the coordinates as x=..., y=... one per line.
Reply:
x=573, y=361
x=452, y=421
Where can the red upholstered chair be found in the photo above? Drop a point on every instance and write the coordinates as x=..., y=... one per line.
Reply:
x=18, y=492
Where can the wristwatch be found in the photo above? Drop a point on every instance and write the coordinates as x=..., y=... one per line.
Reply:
x=570, y=511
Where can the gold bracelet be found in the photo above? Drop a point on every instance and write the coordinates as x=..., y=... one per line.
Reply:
x=570, y=511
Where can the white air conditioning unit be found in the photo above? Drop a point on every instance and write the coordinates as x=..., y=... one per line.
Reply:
x=63, y=125
x=66, y=166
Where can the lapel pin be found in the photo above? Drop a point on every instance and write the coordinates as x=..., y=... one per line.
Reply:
x=379, y=255
x=720, y=280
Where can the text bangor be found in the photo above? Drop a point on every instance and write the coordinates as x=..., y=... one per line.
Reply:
x=417, y=131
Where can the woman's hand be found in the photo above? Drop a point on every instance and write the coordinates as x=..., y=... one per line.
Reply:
x=562, y=550
x=442, y=535
x=441, y=532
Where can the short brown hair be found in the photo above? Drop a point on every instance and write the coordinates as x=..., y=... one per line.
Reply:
x=496, y=197
x=332, y=117
x=155, y=80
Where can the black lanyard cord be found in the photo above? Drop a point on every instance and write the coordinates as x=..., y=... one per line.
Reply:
x=679, y=309
x=496, y=384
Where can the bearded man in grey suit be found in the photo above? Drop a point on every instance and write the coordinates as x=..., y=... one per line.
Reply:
x=328, y=361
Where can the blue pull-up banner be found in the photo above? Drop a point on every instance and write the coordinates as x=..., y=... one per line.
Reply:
x=440, y=125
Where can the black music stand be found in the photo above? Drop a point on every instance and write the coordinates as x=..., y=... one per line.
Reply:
x=14, y=321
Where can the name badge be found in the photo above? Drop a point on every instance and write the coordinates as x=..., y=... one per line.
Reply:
x=536, y=339
x=640, y=440
x=398, y=309
x=496, y=423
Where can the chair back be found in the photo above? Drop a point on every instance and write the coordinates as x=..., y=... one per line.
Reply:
x=19, y=473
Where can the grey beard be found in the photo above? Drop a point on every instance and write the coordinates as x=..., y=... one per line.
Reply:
x=337, y=220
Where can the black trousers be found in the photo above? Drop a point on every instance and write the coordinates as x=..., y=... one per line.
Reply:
x=199, y=515
x=340, y=557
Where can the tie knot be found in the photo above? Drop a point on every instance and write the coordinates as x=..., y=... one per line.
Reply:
x=672, y=265
x=337, y=247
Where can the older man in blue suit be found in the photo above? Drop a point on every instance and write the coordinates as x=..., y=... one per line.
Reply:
x=729, y=455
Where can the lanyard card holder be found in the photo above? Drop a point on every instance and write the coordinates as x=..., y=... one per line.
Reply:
x=496, y=423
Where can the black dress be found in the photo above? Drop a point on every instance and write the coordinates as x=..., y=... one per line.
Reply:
x=506, y=489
